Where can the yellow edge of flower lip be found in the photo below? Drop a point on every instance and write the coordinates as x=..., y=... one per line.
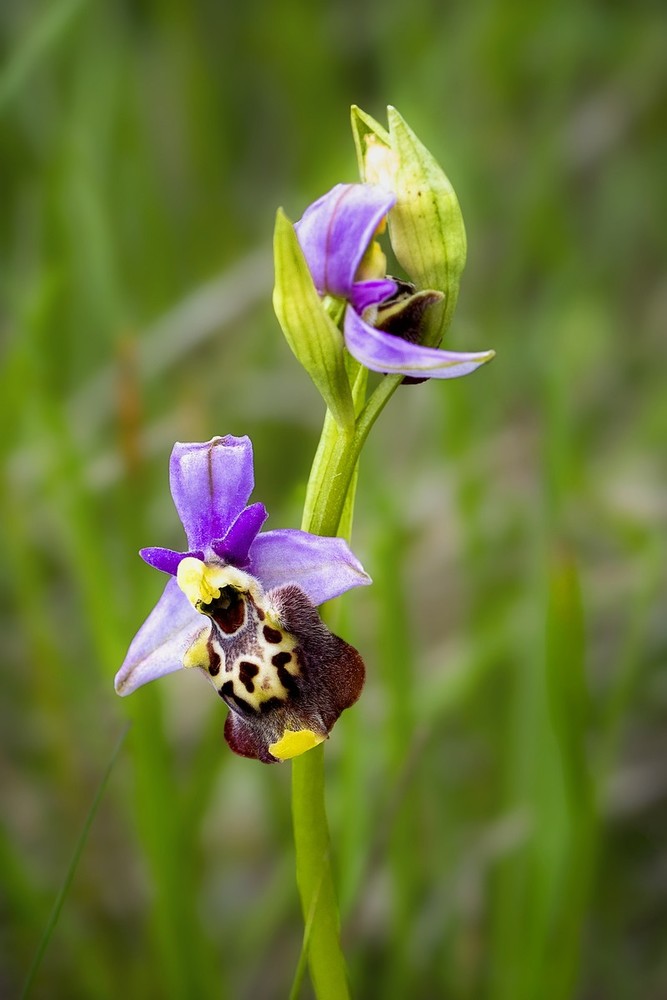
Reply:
x=292, y=743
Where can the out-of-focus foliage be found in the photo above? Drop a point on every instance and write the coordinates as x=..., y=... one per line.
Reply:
x=498, y=798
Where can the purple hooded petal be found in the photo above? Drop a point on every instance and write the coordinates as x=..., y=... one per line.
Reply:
x=370, y=293
x=322, y=567
x=166, y=560
x=161, y=642
x=385, y=352
x=335, y=231
x=210, y=483
x=234, y=547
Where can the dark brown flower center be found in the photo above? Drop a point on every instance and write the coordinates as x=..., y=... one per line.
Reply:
x=228, y=611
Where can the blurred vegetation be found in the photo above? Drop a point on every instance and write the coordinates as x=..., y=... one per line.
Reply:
x=498, y=798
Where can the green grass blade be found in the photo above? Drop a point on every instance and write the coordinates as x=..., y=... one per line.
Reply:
x=44, y=35
x=73, y=865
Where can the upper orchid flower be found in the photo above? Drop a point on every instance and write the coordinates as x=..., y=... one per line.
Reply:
x=336, y=236
x=283, y=675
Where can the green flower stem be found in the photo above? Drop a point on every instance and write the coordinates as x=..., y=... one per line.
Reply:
x=335, y=461
x=331, y=480
x=315, y=878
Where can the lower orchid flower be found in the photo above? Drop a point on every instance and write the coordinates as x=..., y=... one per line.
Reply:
x=241, y=607
x=336, y=234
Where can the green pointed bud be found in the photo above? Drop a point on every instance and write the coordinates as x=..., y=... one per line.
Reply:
x=310, y=332
x=426, y=226
x=366, y=132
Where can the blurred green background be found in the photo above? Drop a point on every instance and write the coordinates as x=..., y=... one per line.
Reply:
x=498, y=799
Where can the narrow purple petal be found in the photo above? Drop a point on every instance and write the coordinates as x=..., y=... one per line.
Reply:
x=370, y=293
x=166, y=560
x=385, y=352
x=234, y=547
x=322, y=567
x=161, y=642
x=335, y=231
x=210, y=483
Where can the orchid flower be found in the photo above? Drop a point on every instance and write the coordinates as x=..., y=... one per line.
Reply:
x=336, y=234
x=240, y=605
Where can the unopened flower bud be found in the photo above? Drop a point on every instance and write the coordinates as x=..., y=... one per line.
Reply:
x=426, y=226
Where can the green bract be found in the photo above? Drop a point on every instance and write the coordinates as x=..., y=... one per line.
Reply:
x=426, y=226
x=310, y=332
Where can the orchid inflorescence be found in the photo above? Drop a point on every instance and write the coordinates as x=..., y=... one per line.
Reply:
x=240, y=604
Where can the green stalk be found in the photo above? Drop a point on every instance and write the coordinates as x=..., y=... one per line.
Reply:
x=315, y=877
x=328, y=502
x=336, y=459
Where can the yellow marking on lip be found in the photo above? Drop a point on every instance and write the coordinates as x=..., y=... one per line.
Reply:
x=197, y=654
x=292, y=744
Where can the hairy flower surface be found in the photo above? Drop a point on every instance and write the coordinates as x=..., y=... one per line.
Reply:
x=336, y=234
x=241, y=606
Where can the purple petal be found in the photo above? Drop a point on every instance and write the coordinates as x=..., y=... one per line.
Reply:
x=385, y=352
x=210, y=483
x=322, y=567
x=370, y=293
x=166, y=560
x=234, y=547
x=335, y=231
x=161, y=642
